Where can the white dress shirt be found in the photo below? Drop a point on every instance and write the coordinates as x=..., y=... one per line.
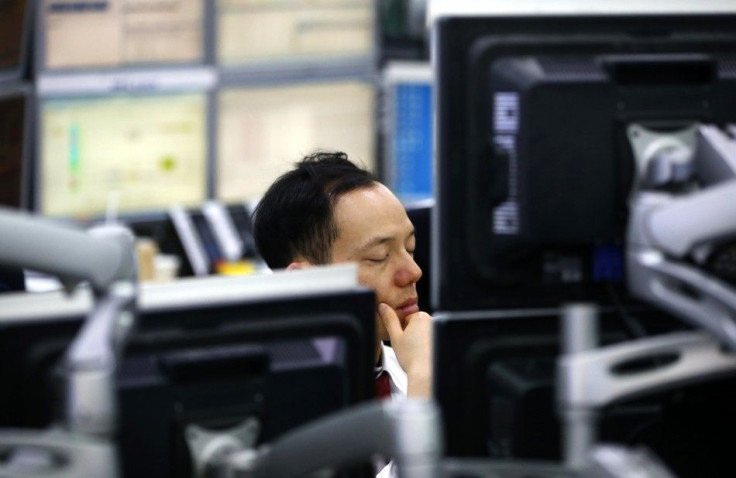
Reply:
x=399, y=385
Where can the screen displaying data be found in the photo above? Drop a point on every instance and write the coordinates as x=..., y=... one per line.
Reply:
x=12, y=31
x=131, y=153
x=263, y=131
x=12, y=133
x=253, y=31
x=114, y=33
x=411, y=140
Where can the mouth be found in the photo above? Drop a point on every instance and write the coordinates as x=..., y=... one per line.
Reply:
x=407, y=307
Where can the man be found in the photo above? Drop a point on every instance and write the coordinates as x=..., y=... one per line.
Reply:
x=327, y=210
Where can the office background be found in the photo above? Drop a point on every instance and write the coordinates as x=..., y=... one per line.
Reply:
x=129, y=108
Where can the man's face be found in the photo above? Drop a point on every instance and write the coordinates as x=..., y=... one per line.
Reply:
x=374, y=231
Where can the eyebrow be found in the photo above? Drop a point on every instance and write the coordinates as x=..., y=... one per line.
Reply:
x=376, y=241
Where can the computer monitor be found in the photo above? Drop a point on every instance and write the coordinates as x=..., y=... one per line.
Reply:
x=15, y=31
x=14, y=142
x=75, y=35
x=132, y=154
x=287, y=32
x=264, y=130
x=420, y=215
x=534, y=168
x=407, y=126
x=495, y=382
x=283, y=349
x=404, y=32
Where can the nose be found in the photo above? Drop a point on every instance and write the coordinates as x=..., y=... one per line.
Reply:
x=408, y=272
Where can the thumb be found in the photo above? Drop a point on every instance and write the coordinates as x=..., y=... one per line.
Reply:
x=390, y=320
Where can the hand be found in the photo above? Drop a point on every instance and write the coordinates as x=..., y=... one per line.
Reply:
x=413, y=347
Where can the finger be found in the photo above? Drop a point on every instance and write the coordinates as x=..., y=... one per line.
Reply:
x=390, y=320
x=407, y=320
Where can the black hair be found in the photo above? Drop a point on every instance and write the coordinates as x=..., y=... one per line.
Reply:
x=295, y=216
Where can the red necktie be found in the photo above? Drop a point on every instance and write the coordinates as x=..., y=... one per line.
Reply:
x=383, y=386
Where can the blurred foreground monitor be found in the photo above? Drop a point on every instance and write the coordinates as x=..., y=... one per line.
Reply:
x=235, y=358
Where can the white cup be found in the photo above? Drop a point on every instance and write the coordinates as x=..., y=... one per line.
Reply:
x=166, y=267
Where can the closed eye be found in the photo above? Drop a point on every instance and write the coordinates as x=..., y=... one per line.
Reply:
x=377, y=260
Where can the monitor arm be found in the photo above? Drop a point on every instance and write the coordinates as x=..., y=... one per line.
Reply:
x=68, y=253
x=105, y=257
x=407, y=431
x=590, y=377
x=681, y=208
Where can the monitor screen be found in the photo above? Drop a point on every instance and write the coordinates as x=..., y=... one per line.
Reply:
x=212, y=353
x=408, y=124
x=133, y=153
x=534, y=166
x=91, y=34
x=14, y=32
x=13, y=141
x=284, y=31
x=263, y=131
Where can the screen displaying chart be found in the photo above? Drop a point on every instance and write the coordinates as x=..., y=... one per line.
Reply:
x=252, y=31
x=133, y=154
x=115, y=33
x=263, y=131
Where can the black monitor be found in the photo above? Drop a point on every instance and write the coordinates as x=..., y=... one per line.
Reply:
x=14, y=145
x=15, y=32
x=495, y=375
x=420, y=215
x=533, y=164
x=283, y=348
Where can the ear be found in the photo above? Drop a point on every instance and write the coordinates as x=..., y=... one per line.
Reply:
x=296, y=265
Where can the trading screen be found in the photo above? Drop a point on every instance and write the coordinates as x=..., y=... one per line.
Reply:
x=286, y=30
x=411, y=141
x=113, y=33
x=128, y=153
x=263, y=131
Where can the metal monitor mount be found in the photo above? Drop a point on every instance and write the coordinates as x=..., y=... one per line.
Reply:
x=407, y=431
x=681, y=208
x=82, y=443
